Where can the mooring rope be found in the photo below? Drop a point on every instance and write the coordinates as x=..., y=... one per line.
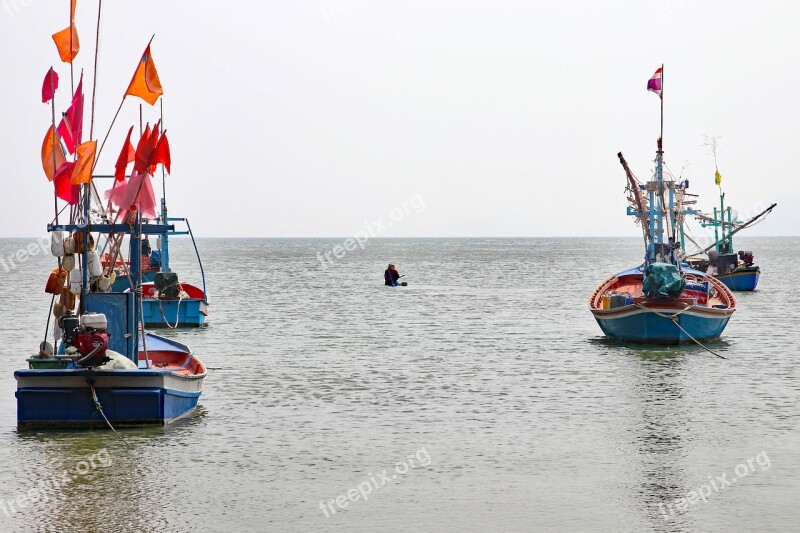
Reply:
x=100, y=408
x=674, y=319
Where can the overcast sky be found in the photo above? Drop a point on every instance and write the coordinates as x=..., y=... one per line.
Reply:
x=502, y=118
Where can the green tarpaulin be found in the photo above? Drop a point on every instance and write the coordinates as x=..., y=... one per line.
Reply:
x=662, y=279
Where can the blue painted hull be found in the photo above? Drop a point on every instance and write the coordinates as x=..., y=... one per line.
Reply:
x=741, y=279
x=187, y=312
x=70, y=407
x=645, y=327
x=63, y=398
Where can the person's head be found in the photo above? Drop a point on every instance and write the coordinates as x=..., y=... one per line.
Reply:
x=392, y=267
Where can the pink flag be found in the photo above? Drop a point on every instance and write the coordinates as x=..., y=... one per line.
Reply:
x=654, y=83
x=71, y=125
x=49, y=85
x=138, y=191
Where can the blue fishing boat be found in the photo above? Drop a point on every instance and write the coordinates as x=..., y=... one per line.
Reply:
x=103, y=368
x=167, y=302
x=737, y=270
x=662, y=301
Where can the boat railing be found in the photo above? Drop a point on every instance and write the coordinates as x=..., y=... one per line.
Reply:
x=196, y=251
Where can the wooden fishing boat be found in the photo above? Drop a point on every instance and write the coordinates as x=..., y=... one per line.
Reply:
x=659, y=320
x=662, y=301
x=737, y=270
x=103, y=367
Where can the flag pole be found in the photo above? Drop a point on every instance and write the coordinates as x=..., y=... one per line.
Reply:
x=53, y=113
x=117, y=114
x=94, y=79
x=71, y=31
x=662, y=104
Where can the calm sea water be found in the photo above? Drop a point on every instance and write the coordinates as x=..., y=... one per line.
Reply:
x=487, y=370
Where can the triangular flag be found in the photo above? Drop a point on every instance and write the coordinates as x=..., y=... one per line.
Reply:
x=71, y=126
x=153, y=142
x=83, y=167
x=64, y=189
x=127, y=155
x=51, y=145
x=162, y=153
x=145, y=83
x=142, y=151
x=49, y=85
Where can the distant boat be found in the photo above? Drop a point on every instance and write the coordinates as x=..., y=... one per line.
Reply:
x=737, y=270
x=167, y=302
x=660, y=302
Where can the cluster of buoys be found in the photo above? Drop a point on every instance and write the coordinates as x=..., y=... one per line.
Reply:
x=66, y=281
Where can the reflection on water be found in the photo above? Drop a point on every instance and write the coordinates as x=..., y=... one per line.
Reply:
x=489, y=359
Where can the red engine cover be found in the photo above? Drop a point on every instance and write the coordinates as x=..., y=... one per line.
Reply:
x=86, y=342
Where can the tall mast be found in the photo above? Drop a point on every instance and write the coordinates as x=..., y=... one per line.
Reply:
x=662, y=101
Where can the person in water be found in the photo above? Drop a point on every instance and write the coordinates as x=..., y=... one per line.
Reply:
x=391, y=276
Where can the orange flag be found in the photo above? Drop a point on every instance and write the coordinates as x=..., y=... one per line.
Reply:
x=51, y=145
x=82, y=173
x=67, y=39
x=145, y=83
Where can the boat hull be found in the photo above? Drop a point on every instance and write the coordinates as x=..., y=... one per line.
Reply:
x=741, y=279
x=701, y=316
x=166, y=386
x=63, y=398
x=655, y=325
x=162, y=313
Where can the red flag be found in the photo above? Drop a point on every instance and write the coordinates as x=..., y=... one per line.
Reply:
x=49, y=85
x=154, y=142
x=71, y=126
x=142, y=156
x=162, y=153
x=126, y=156
x=64, y=189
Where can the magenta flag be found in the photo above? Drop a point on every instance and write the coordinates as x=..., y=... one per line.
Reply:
x=654, y=83
x=49, y=85
x=71, y=126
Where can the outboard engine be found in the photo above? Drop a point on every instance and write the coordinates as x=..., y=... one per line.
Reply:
x=167, y=284
x=91, y=339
